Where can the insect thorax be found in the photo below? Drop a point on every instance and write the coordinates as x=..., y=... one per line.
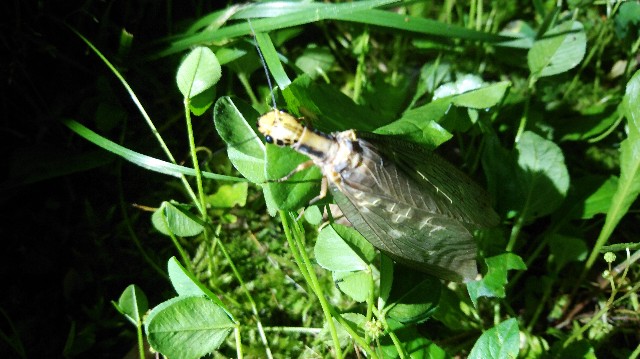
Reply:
x=333, y=153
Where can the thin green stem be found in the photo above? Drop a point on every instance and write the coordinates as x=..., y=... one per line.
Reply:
x=610, y=304
x=236, y=334
x=523, y=119
x=129, y=227
x=140, y=340
x=196, y=166
x=244, y=81
x=541, y=304
x=252, y=303
x=354, y=335
x=372, y=295
x=515, y=231
x=297, y=244
x=176, y=243
x=635, y=353
x=363, y=48
x=142, y=111
x=394, y=338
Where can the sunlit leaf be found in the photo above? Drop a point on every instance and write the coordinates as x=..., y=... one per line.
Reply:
x=493, y=284
x=558, y=50
x=228, y=196
x=627, y=20
x=334, y=254
x=354, y=284
x=629, y=182
x=315, y=61
x=600, y=200
x=187, y=327
x=176, y=219
x=499, y=342
x=244, y=147
x=133, y=304
x=199, y=71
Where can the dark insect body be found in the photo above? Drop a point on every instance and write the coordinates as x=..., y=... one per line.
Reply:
x=409, y=203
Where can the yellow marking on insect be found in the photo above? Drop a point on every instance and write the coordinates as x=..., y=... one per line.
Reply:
x=326, y=151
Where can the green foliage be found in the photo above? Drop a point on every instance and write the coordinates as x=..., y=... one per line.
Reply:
x=539, y=104
x=501, y=341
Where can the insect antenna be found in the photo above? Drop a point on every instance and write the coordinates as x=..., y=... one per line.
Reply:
x=264, y=66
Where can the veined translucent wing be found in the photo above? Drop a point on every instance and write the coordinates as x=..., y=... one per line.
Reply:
x=458, y=195
x=415, y=207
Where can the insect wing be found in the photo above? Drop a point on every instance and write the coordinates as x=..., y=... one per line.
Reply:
x=452, y=191
x=415, y=218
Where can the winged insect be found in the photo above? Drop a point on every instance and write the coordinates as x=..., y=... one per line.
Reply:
x=409, y=203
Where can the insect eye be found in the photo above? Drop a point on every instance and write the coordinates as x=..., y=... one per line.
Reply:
x=268, y=139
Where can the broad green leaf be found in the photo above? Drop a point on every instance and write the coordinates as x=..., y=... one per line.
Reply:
x=186, y=284
x=314, y=215
x=463, y=83
x=245, y=149
x=424, y=124
x=502, y=179
x=454, y=310
x=600, y=200
x=199, y=71
x=483, y=97
x=299, y=189
x=629, y=182
x=315, y=61
x=354, y=284
x=229, y=195
x=499, y=342
x=386, y=99
x=543, y=175
x=558, y=50
x=325, y=108
x=176, y=219
x=627, y=20
x=356, y=241
x=183, y=282
x=187, y=327
x=200, y=103
x=492, y=285
x=420, y=125
x=432, y=75
x=522, y=37
x=133, y=304
x=631, y=104
x=414, y=296
x=333, y=253
x=565, y=249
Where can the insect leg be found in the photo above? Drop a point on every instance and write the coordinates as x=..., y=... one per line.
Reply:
x=323, y=191
x=300, y=167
